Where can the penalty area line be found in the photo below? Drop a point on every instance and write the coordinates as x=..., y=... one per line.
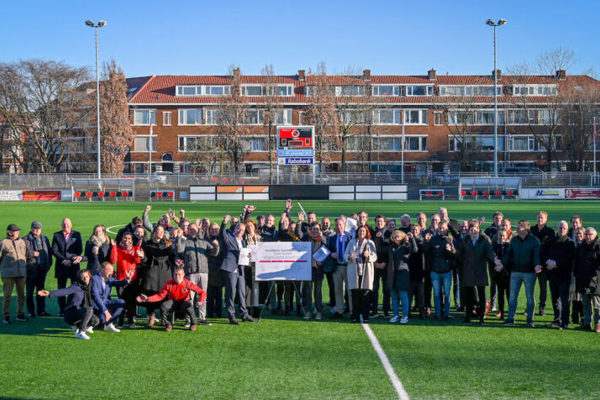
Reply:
x=114, y=226
x=402, y=395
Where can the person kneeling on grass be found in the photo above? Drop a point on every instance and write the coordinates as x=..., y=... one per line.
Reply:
x=79, y=313
x=102, y=283
x=177, y=293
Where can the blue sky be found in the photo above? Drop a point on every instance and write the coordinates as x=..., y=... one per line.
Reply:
x=388, y=37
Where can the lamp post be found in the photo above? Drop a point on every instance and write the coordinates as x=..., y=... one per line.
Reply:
x=492, y=23
x=100, y=24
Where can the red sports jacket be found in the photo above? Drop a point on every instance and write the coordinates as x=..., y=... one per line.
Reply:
x=178, y=292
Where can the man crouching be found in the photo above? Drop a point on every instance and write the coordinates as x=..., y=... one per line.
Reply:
x=177, y=292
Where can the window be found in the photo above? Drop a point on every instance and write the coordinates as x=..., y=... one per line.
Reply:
x=282, y=90
x=356, y=144
x=284, y=117
x=474, y=143
x=255, y=117
x=350, y=90
x=166, y=118
x=189, y=90
x=469, y=90
x=486, y=117
x=190, y=116
x=402, y=90
x=202, y=90
x=438, y=118
x=352, y=117
x=144, y=117
x=415, y=117
x=419, y=90
x=517, y=117
x=255, y=144
x=387, y=117
x=142, y=144
x=534, y=90
x=388, y=143
x=196, y=143
x=394, y=143
x=521, y=143
x=217, y=90
x=300, y=118
x=386, y=90
x=252, y=90
x=212, y=117
x=415, y=143
x=460, y=117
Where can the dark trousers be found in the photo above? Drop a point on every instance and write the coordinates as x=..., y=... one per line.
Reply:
x=280, y=292
x=33, y=284
x=331, y=284
x=470, y=293
x=380, y=274
x=543, y=282
x=114, y=307
x=360, y=304
x=577, y=313
x=457, y=294
x=503, y=286
x=559, y=291
x=214, y=298
x=428, y=288
x=150, y=307
x=83, y=318
x=235, y=283
x=128, y=294
x=417, y=292
x=61, y=284
x=182, y=307
x=493, y=287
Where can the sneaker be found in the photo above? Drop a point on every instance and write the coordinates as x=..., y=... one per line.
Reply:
x=307, y=316
x=247, y=318
x=111, y=328
x=187, y=324
x=509, y=322
x=203, y=322
x=333, y=310
x=81, y=335
x=374, y=315
x=193, y=328
x=553, y=325
x=318, y=317
x=22, y=318
x=131, y=326
x=30, y=315
x=394, y=319
x=583, y=327
x=386, y=315
x=404, y=320
x=89, y=330
x=44, y=314
x=6, y=320
x=74, y=328
x=530, y=325
x=233, y=321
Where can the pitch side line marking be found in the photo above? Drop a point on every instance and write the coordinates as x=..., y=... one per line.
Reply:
x=114, y=226
x=402, y=395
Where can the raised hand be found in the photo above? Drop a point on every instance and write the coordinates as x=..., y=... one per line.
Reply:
x=148, y=208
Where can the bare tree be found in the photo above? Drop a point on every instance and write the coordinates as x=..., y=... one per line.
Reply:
x=43, y=104
x=271, y=108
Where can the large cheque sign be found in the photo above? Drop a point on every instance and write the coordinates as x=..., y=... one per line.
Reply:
x=282, y=261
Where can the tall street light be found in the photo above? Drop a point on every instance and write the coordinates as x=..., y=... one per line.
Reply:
x=100, y=24
x=492, y=23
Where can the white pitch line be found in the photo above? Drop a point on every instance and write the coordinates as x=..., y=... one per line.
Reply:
x=114, y=226
x=386, y=364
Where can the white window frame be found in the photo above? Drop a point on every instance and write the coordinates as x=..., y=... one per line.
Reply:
x=468, y=90
x=287, y=115
x=207, y=119
x=182, y=116
x=248, y=140
x=260, y=118
x=245, y=89
x=151, y=116
x=437, y=114
x=423, y=116
x=147, y=137
x=423, y=143
x=396, y=116
x=167, y=118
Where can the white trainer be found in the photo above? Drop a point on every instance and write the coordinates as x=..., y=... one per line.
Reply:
x=394, y=319
x=89, y=330
x=111, y=328
x=75, y=328
x=81, y=335
x=404, y=320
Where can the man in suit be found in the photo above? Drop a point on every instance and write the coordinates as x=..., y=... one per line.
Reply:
x=106, y=309
x=339, y=265
x=233, y=272
x=66, y=248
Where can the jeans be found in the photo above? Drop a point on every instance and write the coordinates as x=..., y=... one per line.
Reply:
x=559, y=291
x=516, y=279
x=591, y=301
x=397, y=297
x=437, y=281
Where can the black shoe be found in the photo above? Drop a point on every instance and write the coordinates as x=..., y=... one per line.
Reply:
x=542, y=312
x=44, y=314
x=530, y=325
x=466, y=320
x=365, y=321
x=247, y=318
x=354, y=320
x=22, y=318
x=445, y=318
x=583, y=328
x=481, y=322
x=336, y=316
x=233, y=321
x=31, y=315
x=204, y=322
x=509, y=322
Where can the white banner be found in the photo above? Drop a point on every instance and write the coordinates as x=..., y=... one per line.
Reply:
x=282, y=261
x=542, y=193
x=11, y=195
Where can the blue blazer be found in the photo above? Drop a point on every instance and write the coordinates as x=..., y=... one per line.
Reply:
x=74, y=292
x=101, y=295
x=66, y=251
x=331, y=264
x=230, y=249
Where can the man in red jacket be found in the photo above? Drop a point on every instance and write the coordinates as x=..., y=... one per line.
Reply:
x=177, y=292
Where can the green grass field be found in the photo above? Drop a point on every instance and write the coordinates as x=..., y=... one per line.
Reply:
x=288, y=357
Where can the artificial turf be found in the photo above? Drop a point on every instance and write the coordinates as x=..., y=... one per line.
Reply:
x=288, y=357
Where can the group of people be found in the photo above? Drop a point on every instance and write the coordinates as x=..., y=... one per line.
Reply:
x=183, y=266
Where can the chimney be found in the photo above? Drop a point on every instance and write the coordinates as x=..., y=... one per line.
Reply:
x=236, y=75
x=367, y=75
x=301, y=75
x=431, y=75
x=498, y=74
x=561, y=74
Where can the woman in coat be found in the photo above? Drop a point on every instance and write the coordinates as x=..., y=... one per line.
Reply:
x=313, y=289
x=98, y=249
x=398, y=277
x=502, y=277
x=416, y=268
x=361, y=255
x=157, y=267
x=79, y=313
x=252, y=287
x=474, y=253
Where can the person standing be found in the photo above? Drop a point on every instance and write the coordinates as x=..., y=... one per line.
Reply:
x=559, y=256
x=233, y=271
x=523, y=260
x=475, y=252
x=545, y=234
x=501, y=276
x=98, y=249
x=361, y=255
x=439, y=251
x=195, y=256
x=575, y=296
x=13, y=256
x=66, y=248
x=127, y=256
x=416, y=266
x=398, y=276
x=215, y=279
x=380, y=269
x=587, y=275
x=39, y=261
x=338, y=264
